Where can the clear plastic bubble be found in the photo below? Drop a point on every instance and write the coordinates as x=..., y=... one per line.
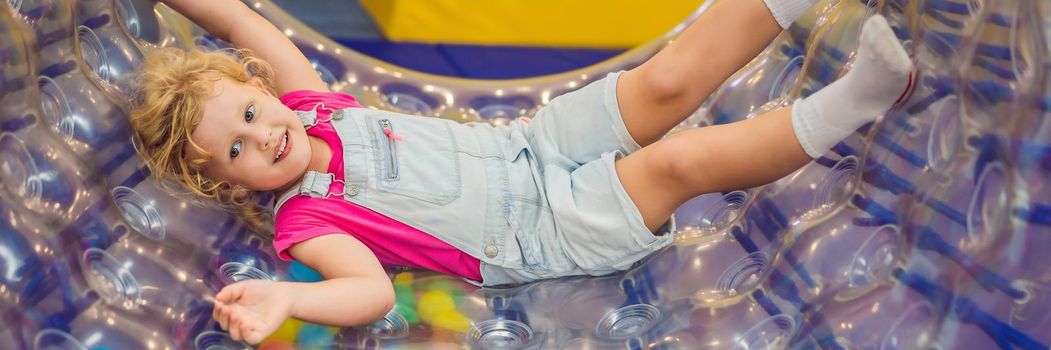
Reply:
x=938, y=211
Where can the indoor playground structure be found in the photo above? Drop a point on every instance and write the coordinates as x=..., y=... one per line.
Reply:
x=928, y=229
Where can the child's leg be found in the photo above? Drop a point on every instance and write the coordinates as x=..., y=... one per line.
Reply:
x=752, y=152
x=660, y=93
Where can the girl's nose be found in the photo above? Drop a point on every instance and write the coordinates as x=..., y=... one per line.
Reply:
x=264, y=138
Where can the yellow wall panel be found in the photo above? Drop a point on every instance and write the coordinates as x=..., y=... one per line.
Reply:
x=571, y=23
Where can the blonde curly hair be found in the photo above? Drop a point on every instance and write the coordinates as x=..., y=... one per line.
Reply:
x=171, y=91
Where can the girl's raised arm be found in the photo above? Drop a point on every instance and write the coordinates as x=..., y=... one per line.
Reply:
x=233, y=21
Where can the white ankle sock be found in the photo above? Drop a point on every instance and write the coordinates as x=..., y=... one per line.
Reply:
x=787, y=11
x=879, y=77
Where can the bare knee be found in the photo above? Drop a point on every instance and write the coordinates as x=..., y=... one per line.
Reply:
x=682, y=165
x=662, y=85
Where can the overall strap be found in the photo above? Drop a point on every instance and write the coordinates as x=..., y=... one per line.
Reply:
x=314, y=184
x=307, y=118
x=310, y=118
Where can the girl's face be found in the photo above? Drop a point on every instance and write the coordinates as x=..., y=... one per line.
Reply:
x=254, y=140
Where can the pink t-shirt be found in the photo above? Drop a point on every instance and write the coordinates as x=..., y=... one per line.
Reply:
x=394, y=243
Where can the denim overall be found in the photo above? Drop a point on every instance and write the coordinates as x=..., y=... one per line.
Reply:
x=442, y=177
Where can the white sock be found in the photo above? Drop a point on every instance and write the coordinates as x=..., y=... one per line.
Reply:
x=787, y=11
x=879, y=77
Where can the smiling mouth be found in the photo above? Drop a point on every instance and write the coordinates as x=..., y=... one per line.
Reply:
x=286, y=145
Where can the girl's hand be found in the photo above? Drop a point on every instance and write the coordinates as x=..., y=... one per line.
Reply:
x=234, y=21
x=252, y=310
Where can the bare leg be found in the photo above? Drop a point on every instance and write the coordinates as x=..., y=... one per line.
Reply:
x=663, y=175
x=660, y=93
x=749, y=153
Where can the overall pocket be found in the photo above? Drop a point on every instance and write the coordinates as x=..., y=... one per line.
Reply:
x=415, y=157
x=534, y=229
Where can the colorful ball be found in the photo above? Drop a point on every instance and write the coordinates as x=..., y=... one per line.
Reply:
x=313, y=335
x=287, y=332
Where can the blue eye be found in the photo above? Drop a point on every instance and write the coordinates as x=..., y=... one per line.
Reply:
x=235, y=150
x=250, y=113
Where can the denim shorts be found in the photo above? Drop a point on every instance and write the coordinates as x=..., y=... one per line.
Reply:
x=568, y=209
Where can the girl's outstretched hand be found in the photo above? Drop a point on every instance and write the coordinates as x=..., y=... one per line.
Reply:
x=251, y=310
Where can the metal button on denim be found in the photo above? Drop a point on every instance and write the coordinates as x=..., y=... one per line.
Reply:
x=353, y=190
x=491, y=251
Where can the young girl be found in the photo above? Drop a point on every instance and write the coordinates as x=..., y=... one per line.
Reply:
x=586, y=188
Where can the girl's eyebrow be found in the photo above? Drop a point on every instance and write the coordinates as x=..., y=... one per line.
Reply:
x=243, y=107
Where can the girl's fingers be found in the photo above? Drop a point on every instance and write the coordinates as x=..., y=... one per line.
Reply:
x=224, y=317
x=216, y=308
x=230, y=293
x=246, y=332
x=253, y=337
x=235, y=327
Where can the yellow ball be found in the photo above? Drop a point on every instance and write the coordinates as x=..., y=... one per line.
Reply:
x=453, y=321
x=403, y=278
x=433, y=303
x=287, y=332
x=438, y=309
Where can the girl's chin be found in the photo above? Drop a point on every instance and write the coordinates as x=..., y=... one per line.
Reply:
x=284, y=183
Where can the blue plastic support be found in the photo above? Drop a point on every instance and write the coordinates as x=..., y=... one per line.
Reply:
x=720, y=116
x=822, y=72
x=993, y=51
x=773, y=213
x=922, y=104
x=943, y=43
x=1037, y=214
x=137, y=177
x=638, y=290
x=17, y=123
x=744, y=240
x=96, y=22
x=782, y=287
x=904, y=153
x=897, y=118
x=59, y=68
x=38, y=286
x=792, y=51
x=768, y=305
x=37, y=12
x=880, y=214
x=1033, y=156
x=771, y=233
x=987, y=91
x=989, y=151
x=123, y=156
x=943, y=19
x=928, y=239
x=90, y=230
x=649, y=285
x=844, y=149
x=826, y=162
x=953, y=7
x=506, y=308
x=883, y=178
x=944, y=209
x=201, y=314
x=1000, y=19
x=994, y=68
x=968, y=312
